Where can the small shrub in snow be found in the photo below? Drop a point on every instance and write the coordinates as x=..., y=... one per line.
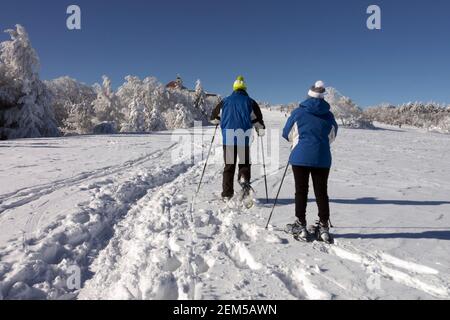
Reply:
x=105, y=128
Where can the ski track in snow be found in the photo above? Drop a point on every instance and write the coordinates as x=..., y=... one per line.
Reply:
x=137, y=239
x=171, y=255
x=75, y=239
x=151, y=255
x=26, y=195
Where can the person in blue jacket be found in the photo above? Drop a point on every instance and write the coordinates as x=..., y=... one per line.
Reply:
x=311, y=128
x=237, y=115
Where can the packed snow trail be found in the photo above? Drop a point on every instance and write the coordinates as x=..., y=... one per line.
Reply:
x=36, y=263
x=223, y=255
x=389, y=201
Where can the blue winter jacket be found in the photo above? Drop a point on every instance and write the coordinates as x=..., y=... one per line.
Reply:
x=310, y=127
x=237, y=114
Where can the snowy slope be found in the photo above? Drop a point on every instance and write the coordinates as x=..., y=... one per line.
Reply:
x=119, y=208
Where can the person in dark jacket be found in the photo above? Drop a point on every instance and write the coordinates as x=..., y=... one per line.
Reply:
x=311, y=128
x=237, y=115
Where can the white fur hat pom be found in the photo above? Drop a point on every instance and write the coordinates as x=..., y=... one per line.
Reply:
x=319, y=84
x=318, y=90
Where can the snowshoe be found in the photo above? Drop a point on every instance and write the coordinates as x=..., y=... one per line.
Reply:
x=247, y=195
x=226, y=199
x=230, y=202
x=298, y=230
x=321, y=233
x=293, y=228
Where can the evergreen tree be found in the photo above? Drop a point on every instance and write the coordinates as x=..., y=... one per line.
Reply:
x=199, y=97
x=136, y=118
x=27, y=109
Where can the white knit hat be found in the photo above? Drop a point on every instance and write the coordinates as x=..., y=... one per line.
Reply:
x=318, y=90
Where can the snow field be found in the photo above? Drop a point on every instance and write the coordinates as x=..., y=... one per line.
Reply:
x=134, y=236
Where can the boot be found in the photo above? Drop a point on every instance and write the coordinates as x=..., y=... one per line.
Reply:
x=298, y=229
x=324, y=232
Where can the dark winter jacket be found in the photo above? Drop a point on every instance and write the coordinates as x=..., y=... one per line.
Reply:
x=311, y=128
x=237, y=115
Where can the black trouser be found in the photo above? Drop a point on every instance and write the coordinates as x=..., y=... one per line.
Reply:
x=230, y=154
x=320, y=182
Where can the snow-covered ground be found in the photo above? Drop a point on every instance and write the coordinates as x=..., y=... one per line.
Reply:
x=118, y=208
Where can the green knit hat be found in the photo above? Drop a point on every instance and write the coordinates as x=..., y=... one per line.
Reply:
x=239, y=84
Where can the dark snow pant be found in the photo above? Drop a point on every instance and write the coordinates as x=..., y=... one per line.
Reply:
x=230, y=154
x=320, y=183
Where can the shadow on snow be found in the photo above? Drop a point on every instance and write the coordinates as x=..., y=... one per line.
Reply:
x=437, y=235
x=365, y=201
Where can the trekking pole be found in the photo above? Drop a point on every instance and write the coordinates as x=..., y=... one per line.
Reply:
x=278, y=194
x=206, y=162
x=264, y=166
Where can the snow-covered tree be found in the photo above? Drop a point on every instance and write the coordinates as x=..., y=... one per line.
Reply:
x=444, y=124
x=80, y=118
x=32, y=108
x=200, y=97
x=179, y=117
x=68, y=93
x=157, y=103
x=346, y=111
x=136, y=121
x=431, y=116
x=106, y=105
x=26, y=103
x=129, y=91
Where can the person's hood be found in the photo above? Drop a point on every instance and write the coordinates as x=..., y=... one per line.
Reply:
x=316, y=106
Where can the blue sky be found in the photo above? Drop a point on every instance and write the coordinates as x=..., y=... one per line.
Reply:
x=281, y=47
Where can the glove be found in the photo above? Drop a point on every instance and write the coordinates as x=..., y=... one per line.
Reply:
x=261, y=132
x=260, y=129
